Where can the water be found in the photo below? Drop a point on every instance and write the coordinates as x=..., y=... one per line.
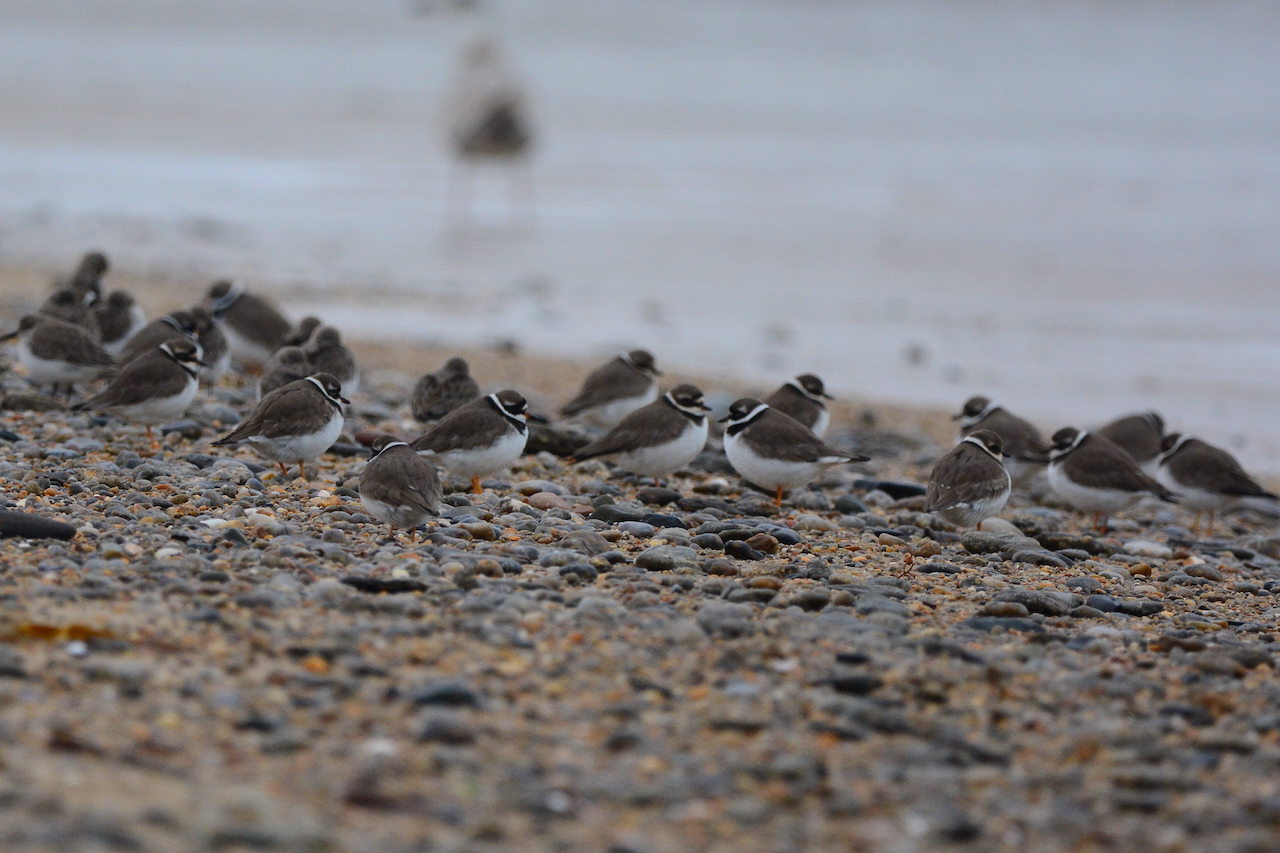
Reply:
x=1074, y=208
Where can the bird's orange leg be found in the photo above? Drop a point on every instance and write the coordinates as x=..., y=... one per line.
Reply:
x=777, y=499
x=284, y=472
x=475, y=486
x=302, y=469
x=1212, y=515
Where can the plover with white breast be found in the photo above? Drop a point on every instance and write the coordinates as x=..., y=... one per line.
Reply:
x=1140, y=436
x=252, y=324
x=1204, y=477
x=484, y=436
x=56, y=353
x=657, y=439
x=615, y=390
x=118, y=317
x=773, y=450
x=1094, y=475
x=295, y=423
x=152, y=389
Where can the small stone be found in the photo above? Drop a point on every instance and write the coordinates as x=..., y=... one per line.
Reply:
x=612, y=514
x=546, y=500
x=873, y=602
x=708, y=541
x=725, y=618
x=1204, y=571
x=455, y=693
x=1004, y=608
x=448, y=728
x=999, y=526
x=1104, y=603
x=663, y=521
x=740, y=550
x=720, y=566
x=1084, y=611
x=764, y=543
x=850, y=504
x=587, y=542
x=925, y=548
x=808, y=521
x=638, y=529
x=888, y=539
x=655, y=496
x=1140, y=607
x=662, y=558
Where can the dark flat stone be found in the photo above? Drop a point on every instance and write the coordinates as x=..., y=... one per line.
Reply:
x=989, y=623
x=892, y=488
x=390, y=585
x=30, y=526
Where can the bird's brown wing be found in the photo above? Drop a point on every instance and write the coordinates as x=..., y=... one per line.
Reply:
x=476, y=423
x=648, y=426
x=287, y=411
x=790, y=441
x=146, y=378
x=258, y=320
x=55, y=340
x=1203, y=466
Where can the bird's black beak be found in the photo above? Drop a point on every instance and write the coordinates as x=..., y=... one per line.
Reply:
x=828, y=396
x=704, y=407
x=344, y=400
x=9, y=336
x=537, y=419
x=957, y=416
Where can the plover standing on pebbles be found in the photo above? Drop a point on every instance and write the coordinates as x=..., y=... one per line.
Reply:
x=775, y=451
x=152, y=389
x=295, y=423
x=1205, y=477
x=615, y=390
x=657, y=439
x=1094, y=475
x=57, y=353
x=398, y=487
x=484, y=436
x=970, y=483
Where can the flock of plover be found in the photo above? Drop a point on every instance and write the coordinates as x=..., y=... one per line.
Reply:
x=153, y=371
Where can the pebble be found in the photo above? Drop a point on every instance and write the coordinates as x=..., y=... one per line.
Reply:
x=999, y=526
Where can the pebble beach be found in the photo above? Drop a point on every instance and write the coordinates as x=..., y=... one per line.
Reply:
x=219, y=658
